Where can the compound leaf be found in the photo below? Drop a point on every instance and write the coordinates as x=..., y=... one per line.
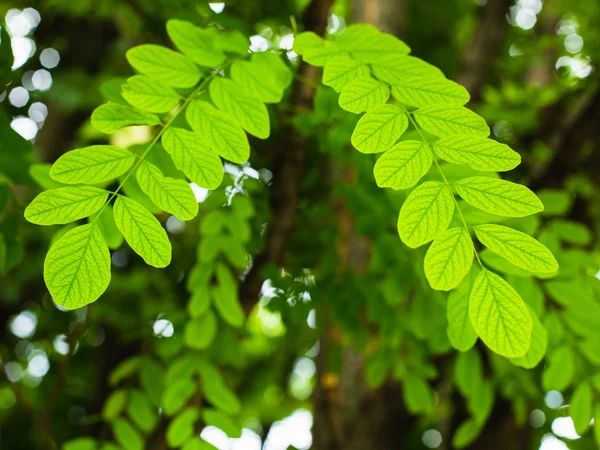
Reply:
x=479, y=153
x=164, y=65
x=245, y=108
x=500, y=316
x=111, y=117
x=403, y=165
x=142, y=231
x=193, y=157
x=92, y=165
x=519, y=248
x=255, y=79
x=149, y=95
x=171, y=195
x=368, y=45
x=77, y=267
x=443, y=120
x=449, y=259
x=65, y=205
x=377, y=130
x=220, y=130
x=395, y=68
x=500, y=197
x=425, y=214
x=363, y=94
x=321, y=54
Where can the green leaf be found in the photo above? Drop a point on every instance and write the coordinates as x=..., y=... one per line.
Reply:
x=379, y=129
x=499, y=196
x=222, y=421
x=111, y=117
x=198, y=444
x=164, y=65
x=141, y=411
x=65, y=205
x=321, y=54
x=466, y=433
x=518, y=248
x=418, y=396
x=143, y=232
x=460, y=330
x=537, y=349
x=449, y=259
x=173, y=196
x=216, y=391
x=84, y=443
x=199, y=303
x=421, y=91
x=556, y=202
x=255, y=79
x=77, y=267
x=305, y=40
x=394, y=68
x=339, y=72
x=273, y=64
x=126, y=435
x=367, y=44
x=403, y=165
x=580, y=408
x=195, y=43
x=597, y=424
x=114, y=404
x=225, y=298
x=148, y=95
x=182, y=427
x=233, y=41
x=220, y=130
x=499, y=316
x=363, y=94
x=245, y=108
x=92, y=165
x=444, y=120
x=425, y=214
x=468, y=373
x=41, y=175
x=479, y=153
x=192, y=155
x=177, y=394
x=560, y=370
x=199, y=333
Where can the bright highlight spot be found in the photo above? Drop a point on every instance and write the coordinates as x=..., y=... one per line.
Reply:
x=26, y=127
x=553, y=399
x=23, y=325
x=432, y=438
x=564, y=427
x=49, y=58
x=163, y=328
x=217, y=7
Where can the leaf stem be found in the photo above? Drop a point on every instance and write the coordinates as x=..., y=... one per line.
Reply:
x=141, y=158
x=414, y=123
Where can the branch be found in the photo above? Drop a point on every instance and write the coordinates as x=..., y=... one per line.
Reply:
x=288, y=166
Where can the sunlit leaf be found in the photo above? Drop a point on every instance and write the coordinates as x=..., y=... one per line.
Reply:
x=149, y=95
x=403, y=165
x=195, y=42
x=419, y=91
x=537, y=349
x=395, y=68
x=111, y=117
x=377, y=130
x=77, y=267
x=363, y=94
x=92, y=165
x=444, y=120
x=369, y=45
x=164, y=65
x=339, y=72
x=321, y=54
x=65, y=205
x=480, y=153
x=255, y=79
x=143, y=232
x=460, y=331
x=449, y=259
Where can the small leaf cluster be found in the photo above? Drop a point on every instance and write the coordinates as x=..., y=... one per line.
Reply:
x=375, y=75
x=219, y=111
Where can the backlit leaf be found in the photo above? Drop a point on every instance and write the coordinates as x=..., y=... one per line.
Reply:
x=500, y=316
x=444, y=120
x=173, y=196
x=305, y=40
x=403, y=165
x=460, y=330
x=192, y=155
x=255, y=79
x=449, y=259
x=395, y=68
x=126, y=435
x=220, y=131
x=363, y=94
x=164, y=65
x=195, y=42
x=339, y=72
x=367, y=44
x=499, y=196
x=519, y=248
x=480, y=153
x=321, y=54
x=111, y=117
x=143, y=232
x=537, y=349
x=379, y=129
x=149, y=95
x=92, y=165
x=77, y=267
x=560, y=370
x=65, y=205
x=425, y=214
x=199, y=333
x=420, y=91
x=245, y=108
